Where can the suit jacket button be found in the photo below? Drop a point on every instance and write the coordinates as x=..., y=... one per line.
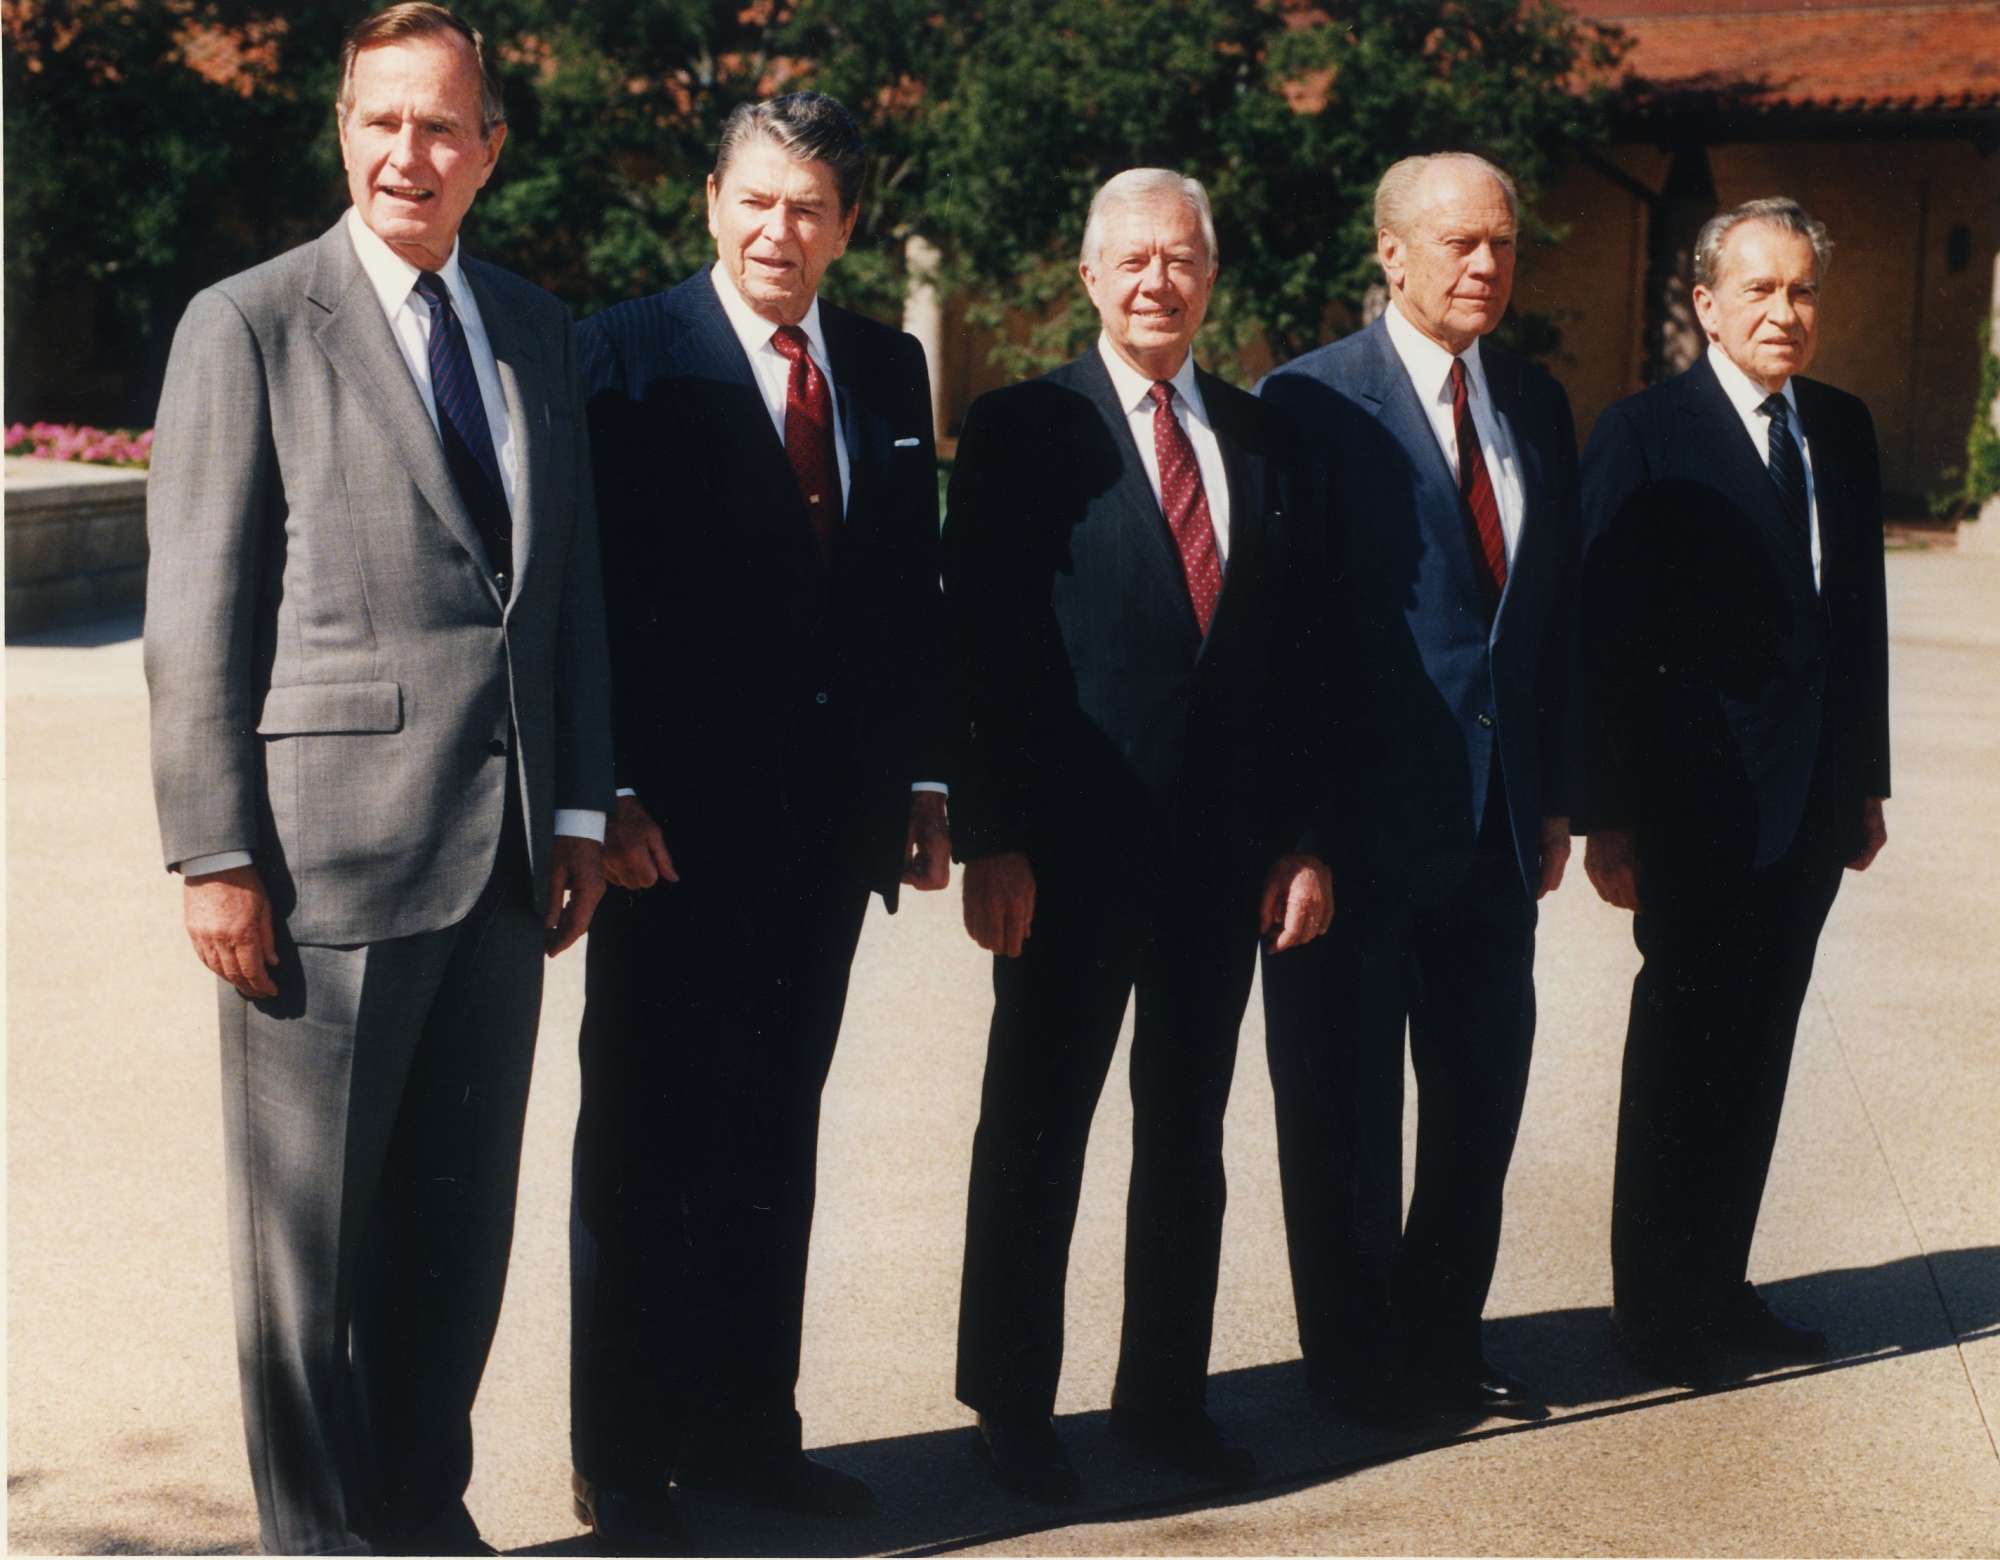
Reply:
x=497, y=747
x=819, y=698
x=1484, y=719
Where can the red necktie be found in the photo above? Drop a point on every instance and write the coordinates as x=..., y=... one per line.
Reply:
x=1185, y=502
x=1475, y=488
x=809, y=438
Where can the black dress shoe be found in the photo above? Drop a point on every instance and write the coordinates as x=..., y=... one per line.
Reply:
x=1487, y=1389
x=783, y=1481
x=627, y=1523
x=1188, y=1441
x=1027, y=1457
x=1748, y=1322
x=1677, y=1358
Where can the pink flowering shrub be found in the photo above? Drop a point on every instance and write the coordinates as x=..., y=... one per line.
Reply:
x=66, y=441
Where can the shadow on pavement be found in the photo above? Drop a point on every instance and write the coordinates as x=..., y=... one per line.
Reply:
x=936, y=1496
x=89, y=634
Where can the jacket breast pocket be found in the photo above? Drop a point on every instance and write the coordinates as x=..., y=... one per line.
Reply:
x=325, y=709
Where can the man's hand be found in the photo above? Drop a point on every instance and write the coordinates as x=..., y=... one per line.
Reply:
x=576, y=883
x=927, y=853
x=1000, y=902
x=635, y=852
x=1611, y=861
x=1878, y=836
x=1297, y=904
x=1555, y=854
x=229, y=923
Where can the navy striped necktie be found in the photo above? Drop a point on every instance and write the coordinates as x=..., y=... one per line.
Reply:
x=1788, y=470
x=462, y=426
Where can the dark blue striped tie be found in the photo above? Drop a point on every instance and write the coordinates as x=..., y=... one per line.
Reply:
x=462, y=425
x=1788, y=471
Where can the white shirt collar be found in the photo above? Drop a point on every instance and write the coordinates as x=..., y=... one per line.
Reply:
x=1135, y=391
x=1428, y=363
x=394, y=278
x=753, y=330
x=1744, y=393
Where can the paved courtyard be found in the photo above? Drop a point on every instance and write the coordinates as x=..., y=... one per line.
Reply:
x=1882, y=1221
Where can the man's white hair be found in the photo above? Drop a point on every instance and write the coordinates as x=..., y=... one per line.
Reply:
x=1395, y=193
x=1139, y=187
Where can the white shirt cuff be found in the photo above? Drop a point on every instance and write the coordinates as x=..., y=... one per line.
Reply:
x=584, y=823
x=221, y=861
x=931, y=785
x=626, y=790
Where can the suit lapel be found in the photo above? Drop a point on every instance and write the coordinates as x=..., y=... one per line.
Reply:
x=1503, y=383
x=1393, y=399
x=1244, y=473
x=1137, y=506
x=516, y=355
x=355, y=337
x=1742, y=471
x=861, y=433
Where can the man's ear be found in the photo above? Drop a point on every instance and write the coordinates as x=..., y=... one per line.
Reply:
x=714, y=193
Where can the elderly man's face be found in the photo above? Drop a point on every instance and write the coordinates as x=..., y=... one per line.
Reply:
x=412, y=143
x=1763, y=308
x=1150, y=279
x=778, y=225
x=1453, y=271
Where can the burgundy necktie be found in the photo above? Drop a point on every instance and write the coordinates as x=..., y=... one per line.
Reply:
x=1185, y=502
x=1475, y=488
x=809, y=438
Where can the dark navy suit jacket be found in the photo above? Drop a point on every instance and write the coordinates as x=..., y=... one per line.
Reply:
x=1427, y=692
x=1720, y=681
x=742, y=669
x=1097, y=720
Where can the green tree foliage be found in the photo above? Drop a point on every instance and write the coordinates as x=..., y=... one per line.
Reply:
x=156, y=145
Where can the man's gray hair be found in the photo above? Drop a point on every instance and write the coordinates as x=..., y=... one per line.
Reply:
x=1138, y=187
x=420, y=19
x=1778, y=211
x=806, y=127
x=1395, y=192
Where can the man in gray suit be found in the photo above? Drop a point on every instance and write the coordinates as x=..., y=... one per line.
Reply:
x=381, y=754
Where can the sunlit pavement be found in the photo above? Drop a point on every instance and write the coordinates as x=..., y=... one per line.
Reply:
x=1882, y=1222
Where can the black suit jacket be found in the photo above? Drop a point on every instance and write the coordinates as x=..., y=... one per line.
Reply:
x=1719, y=678
x=1094, y=716
x=744, y=672
x=1433, y=691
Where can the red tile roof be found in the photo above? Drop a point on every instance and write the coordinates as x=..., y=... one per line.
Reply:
x=1879, y=55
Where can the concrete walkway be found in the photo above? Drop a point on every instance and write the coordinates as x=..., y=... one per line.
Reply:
x=1882, y=1221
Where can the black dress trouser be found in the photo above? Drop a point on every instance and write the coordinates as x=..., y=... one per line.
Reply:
x=1374, y=1292
x=711, y=1012
x=1728, y=953
x=1186, y=944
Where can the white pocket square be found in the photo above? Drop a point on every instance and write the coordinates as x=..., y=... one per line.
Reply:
x=908, y=444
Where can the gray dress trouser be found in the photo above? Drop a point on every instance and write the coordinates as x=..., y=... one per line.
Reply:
x=372, y=1114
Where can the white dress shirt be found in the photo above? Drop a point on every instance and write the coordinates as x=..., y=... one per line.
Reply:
x=773, y=370
x=1429, y=368
x=1748, y=397
x=395, y=282
x=1135, y=393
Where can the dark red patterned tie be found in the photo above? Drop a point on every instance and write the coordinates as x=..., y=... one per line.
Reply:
x=809, y=438
x=1475, y=487
x=1185, y=502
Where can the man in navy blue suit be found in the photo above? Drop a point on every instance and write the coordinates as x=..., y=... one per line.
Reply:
x=767, y=477
x=1451, y=477
x=1737, y=757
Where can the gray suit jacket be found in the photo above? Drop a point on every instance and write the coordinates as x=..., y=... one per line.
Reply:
x=337, y=684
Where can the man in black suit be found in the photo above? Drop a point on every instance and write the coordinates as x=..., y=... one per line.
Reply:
x=768, y=480
x=1452, y=481
x=1123, y=561
x=1738, y=758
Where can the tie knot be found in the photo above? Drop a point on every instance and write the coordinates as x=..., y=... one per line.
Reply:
x=1162, y=394
x=432, y=286
x=1772, y=406
x=790, y=341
